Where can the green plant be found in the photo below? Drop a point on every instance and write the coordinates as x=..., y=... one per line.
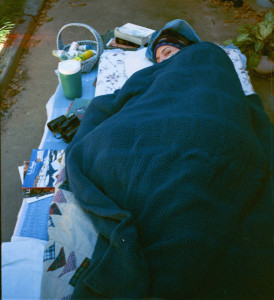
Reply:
x=11, y=11
x=256, y=40
x=5, y=28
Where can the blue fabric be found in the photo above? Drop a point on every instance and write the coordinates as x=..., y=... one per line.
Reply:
x=34, y=218
x=174, y=172
x=180, y=26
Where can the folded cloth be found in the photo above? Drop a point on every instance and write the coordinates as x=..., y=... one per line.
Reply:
x=22, y=266
x=174, y=172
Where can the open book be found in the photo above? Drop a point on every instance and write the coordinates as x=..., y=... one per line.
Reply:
x=133, y=33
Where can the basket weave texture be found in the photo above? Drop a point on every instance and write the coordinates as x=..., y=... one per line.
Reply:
x=97, y=45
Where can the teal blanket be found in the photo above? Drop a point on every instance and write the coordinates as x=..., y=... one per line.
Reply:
x=174, y=172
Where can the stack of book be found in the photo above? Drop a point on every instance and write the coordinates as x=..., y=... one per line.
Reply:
x=130, y=36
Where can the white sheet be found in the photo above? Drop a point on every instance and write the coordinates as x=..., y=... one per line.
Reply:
x=116, y=66
x=111, y=72
x=22, y=266
x=136, y=61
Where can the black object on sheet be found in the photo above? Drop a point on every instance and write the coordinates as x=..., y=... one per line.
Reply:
x=63, y=127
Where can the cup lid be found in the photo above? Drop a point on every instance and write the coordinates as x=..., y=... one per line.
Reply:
x=69, y=66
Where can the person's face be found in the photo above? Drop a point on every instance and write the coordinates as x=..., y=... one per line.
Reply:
x=164, y=52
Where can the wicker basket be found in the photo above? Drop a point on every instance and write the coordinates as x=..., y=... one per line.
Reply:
x=98, y=46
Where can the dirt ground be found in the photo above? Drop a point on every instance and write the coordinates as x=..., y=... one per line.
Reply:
x=24, y=112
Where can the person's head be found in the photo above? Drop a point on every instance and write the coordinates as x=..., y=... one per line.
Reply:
x=164, y=52
x=174, y=36
x=168, y=43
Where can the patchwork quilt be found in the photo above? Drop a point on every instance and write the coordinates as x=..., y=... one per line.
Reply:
x=72, y=237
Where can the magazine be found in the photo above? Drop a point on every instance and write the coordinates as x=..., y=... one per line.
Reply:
x=42, y=172
x=33, y=194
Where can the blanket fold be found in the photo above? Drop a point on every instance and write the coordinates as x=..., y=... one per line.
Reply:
x=174, y=171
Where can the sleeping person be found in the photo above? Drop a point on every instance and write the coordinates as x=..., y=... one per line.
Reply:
x=174, y=171
x=173, y=37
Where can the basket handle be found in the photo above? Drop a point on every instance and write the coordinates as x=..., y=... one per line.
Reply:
x=100, y=45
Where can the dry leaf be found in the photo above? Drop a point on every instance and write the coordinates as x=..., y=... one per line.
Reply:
x=34, y=43
x=74, y=5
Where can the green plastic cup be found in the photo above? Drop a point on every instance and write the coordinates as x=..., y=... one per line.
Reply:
x=70, y=76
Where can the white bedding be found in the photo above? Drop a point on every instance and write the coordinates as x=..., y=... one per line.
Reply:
x=111, y=72
x=22, y=266
x=116, y=66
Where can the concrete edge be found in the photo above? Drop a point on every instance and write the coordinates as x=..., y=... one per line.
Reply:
x=12, y=54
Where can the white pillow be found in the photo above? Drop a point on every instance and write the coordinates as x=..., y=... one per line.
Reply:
x=135, y=61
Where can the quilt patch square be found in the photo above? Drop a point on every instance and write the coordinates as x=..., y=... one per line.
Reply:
x=70, y=265
x=54, y=210
x=59, y=197
x=59, y=262
x=84, y=265
x=50, y=222
x=49, y=253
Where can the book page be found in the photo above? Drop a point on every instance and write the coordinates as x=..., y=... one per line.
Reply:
x=135, y=30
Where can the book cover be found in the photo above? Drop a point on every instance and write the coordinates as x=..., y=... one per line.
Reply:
x=126, y=43
x=78, y=107
x=33, y=195
x=23, y=170
x=43, y=169
x=113, y=43
x=38, y=193
x=133, y=33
